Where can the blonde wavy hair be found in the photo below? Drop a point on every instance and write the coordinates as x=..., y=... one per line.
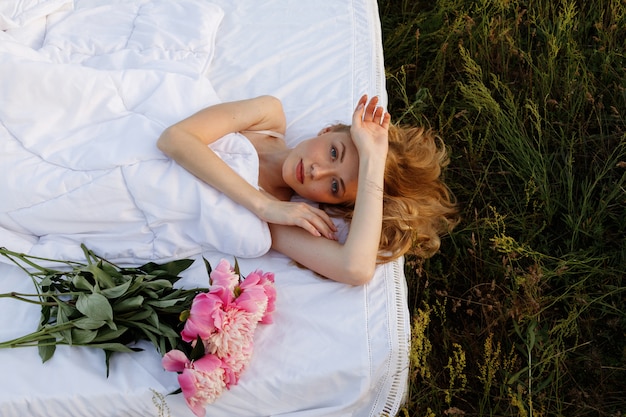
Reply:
x=418, y=207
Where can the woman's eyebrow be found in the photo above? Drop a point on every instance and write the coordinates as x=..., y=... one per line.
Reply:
x=343, y=151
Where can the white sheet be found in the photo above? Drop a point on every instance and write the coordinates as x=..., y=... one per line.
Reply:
x=333, y=350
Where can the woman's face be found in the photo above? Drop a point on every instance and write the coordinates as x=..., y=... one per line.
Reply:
x=324, y=169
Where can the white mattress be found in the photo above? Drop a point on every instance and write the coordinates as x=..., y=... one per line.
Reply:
x=333, y=350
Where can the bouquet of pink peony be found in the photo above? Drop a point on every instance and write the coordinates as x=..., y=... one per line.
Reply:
x=218, y=332
x=101, y=305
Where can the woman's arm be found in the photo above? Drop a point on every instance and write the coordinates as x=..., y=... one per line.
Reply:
x=354, y=262
x=186, y=142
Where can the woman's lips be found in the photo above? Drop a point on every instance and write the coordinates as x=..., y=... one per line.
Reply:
x=300, y=172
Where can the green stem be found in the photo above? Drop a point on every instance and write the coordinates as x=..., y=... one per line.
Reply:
x=46, y=294
x=90, y=255
x=87, y=253
x=12, y=255
x=27, y=260
x=22, y=297
x=32, y=338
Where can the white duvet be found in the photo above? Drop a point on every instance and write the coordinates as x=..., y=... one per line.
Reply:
x=85, y=168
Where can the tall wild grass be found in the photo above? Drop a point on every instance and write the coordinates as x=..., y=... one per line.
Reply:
x=523, y=313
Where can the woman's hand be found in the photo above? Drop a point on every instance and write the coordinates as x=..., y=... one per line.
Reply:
x=313, y=220
x=370, y=127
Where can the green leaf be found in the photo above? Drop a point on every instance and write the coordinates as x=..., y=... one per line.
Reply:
x=162, y=347
x=68, y=309
x=116, y=291
x=45, y=283
x=111, y=270
x=198, y=350
x=46, y=348
x=153, y=319
x=107, y=360
x=81, y=283
x=106, y=335
x=173, y=268
x=128, y=304
x=95, y=306
x=164, y=303
x=158, y=284
x=187, y=295
x=113, y=347
x=162, y=330
x=63, y=318
x=45, y=315
x=110, y=348
x=178, y=266
x=82, y=337
x=236, y=269
x=167, y=331
x=148, y=331
x=209, y=269
x=150, y=294
x=515, y=378
x=102, y=278
x=139, y=315
x=88, y=323
x=137, y=284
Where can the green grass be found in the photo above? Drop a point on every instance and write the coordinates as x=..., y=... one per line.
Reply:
x=524, y=310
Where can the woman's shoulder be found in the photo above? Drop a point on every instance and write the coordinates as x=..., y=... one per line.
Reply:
x=274, y=119
x=269, y=133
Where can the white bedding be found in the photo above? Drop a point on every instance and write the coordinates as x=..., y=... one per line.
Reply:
x=99, y=177
x=87, y=87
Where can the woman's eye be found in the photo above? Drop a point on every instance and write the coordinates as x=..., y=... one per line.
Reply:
x=334, y=187
x=333, y=153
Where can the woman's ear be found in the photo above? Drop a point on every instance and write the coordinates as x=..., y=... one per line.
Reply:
x=325, y=130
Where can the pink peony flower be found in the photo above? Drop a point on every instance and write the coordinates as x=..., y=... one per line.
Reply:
x=234, y=333
x=267, y=281
x=235, y=363
x=224, y=276
x=201, y=381
x=205, y=310
x=175, y=361
x=254, y=283
x=252, y=297
x=206, y=314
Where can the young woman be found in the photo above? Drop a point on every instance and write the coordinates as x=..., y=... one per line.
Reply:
x=343, y=167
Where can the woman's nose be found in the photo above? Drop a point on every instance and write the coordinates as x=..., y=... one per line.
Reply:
x=319, y=171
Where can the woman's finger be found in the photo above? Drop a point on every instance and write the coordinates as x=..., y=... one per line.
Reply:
x=316, y=228
x=378, y=114
x=314, y=220
x=357, y=116
x=323, y=224
x=326, y=219
x=386, y=121
x=370, y=110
